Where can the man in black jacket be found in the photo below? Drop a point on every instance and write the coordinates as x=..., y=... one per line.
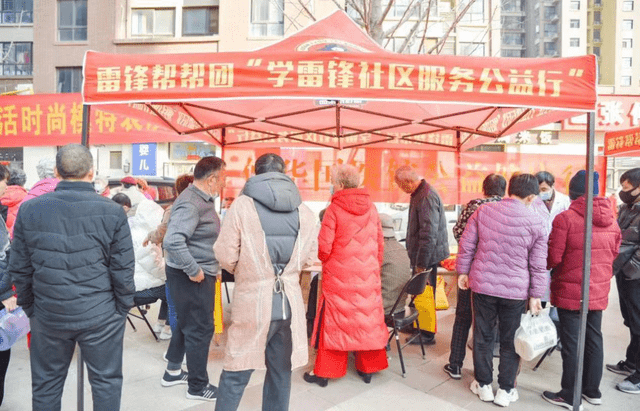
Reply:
x=626, y=269
x=427, y=240
x=72, y=264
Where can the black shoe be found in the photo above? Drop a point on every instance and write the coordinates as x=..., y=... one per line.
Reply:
x=210, y=393
x=556, y=399
x=366, y=377
x=453, y=370
x=169, y=380
x=314, y=379
x=426, y=339
x=621, y=368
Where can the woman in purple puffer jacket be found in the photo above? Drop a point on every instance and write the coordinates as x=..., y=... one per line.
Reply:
x=503, y=259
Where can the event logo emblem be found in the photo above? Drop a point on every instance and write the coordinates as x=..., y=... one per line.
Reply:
x=331, y=45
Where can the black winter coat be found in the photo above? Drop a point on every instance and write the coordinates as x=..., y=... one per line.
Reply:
x=72, y=258
x=627, y=264
x=427, y=239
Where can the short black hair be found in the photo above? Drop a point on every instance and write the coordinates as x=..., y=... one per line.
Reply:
x=523, y=185
x=207, y=166
x=494, y=185
x=545, y=177
x=269, y=163
x=122, y=199
x=74, y=161
x=4, y=173
x=632, y=176
x=127, y=185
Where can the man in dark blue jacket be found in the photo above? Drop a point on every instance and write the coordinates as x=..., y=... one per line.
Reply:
x=72, y=264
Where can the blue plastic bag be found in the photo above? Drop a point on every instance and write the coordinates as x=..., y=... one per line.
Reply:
x=13, y=326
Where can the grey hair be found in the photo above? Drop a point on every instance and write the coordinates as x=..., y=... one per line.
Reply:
x=74, y=161
x=45, y=167
x=406, y=173
x=17, y=176
x=346, y=175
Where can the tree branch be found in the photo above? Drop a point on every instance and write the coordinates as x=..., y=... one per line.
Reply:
x=426, y=24
x=412, y=32
x=453, y=25
x=307, y=10
x=407, y=14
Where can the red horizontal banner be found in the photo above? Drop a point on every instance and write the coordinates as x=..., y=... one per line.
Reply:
x=624, y=142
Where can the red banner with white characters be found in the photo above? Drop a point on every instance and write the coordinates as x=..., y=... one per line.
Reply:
x=311, y=170
x=613, y=113
x=622, y=143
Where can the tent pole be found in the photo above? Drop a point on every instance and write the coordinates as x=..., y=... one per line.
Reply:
x=86, y=117
x=586, y=270
x=458, y=164
x=223, y=141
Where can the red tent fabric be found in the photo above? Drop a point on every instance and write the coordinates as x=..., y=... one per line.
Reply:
x=330, y=85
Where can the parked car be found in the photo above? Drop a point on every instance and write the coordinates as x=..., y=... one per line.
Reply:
x=164, y=187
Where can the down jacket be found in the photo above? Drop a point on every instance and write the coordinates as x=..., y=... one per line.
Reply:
x=504, y=251
x=241, y=249
x=12, y=198
x=149, y=270
x=627, y=264
x=351, y=248
x=72, y=259
x=566, y=250
x=427, y=240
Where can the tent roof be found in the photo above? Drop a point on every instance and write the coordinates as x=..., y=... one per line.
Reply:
x=331, y=85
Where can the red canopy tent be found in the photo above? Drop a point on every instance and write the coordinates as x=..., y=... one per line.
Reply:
x=330, y=85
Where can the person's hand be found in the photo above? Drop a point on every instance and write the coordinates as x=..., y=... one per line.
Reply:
x=145, y=242
x=463, y=282
x=10, y=303
x=535, y=305
x=198, y=277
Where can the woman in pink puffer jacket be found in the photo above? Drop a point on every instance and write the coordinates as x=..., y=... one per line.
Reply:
x=502, y=258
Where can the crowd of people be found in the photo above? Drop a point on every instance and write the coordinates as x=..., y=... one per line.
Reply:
x=80, y=256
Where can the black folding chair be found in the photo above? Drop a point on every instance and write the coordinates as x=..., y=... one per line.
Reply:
x=227, y=277
x=399, y=320
x=139, y=304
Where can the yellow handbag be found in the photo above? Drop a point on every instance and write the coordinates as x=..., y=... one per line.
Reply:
x=442, y=303
x=426, y=307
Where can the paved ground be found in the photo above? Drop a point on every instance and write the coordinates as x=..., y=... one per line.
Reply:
x=426, y=385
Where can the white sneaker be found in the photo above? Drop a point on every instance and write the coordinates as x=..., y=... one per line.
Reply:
x=504, y=398
x=166, y=333
x=157, y=327
x=484, y=392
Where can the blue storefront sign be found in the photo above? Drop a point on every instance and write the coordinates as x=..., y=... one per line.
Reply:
x=144, y=159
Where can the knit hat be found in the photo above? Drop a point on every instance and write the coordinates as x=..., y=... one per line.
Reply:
x=387, y=225
x=578, y=183
x=129, y=180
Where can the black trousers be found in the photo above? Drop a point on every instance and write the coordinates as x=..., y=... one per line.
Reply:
x=194, y=309
x=277, y=383
x=593, y=353
x=51, y=353
x=4, y=364
x=486, y=311
x=629, y=295
x=461, y=327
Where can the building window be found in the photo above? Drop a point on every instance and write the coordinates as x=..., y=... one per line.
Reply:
x=550, y=49
x=574, y=5
x=550, y=13
x=115, y=160
x=597, y=17
x=627, y=24
x=597, y=2
x=267, y=18
x=550, y=30
x=472, y=49
x=512, y=53
x=596, y=51
x=17, y=59
x=625, y=81
x=16, y=11
x=153, y=22
x=574, y=42
x=399, y=7
x=69, y=79
x=574, y=24
x=627, y=6
x=596, y=35
x=72, y=20
x=626, y=62
x=512, y=39
x=475, y=13
x=627, y=43
x=199, y=21
x=513, y=23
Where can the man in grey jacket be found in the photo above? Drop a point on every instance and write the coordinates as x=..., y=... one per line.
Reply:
x=427, y=239
x=191, y=269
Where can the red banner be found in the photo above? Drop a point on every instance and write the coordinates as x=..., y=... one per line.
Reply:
x=622, y=143
x=613, y=113
x=311, y=170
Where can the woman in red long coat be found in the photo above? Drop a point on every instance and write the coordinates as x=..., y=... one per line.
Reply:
x=350, y=246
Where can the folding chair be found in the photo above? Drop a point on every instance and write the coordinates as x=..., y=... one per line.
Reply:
x=140, y=303
x=399, y=320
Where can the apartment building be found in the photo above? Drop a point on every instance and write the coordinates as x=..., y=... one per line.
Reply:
x=16, y=45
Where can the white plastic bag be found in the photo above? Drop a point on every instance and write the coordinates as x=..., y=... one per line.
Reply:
x=536, y=334
x=13, y=326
